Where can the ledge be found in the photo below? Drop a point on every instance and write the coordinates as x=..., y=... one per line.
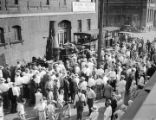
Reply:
x=16, y=42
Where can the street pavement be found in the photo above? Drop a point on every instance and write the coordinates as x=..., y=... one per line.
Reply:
x=31, y=114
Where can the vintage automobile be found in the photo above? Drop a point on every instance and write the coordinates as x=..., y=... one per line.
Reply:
x=85, y=41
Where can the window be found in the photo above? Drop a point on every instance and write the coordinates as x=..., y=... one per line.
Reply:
x=48, y=2
x=65, y=2
x=16, y=2
x=0, y=5
x=79, y=25
x=89, y=24
x=17, y=33
x=2, y=36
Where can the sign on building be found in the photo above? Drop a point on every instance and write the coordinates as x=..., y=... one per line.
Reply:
x=83, y=7
x=85, y=0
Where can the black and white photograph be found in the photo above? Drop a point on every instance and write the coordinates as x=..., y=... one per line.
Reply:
x=77, y=59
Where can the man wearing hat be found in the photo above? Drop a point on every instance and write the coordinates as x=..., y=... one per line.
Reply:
x=90, y=98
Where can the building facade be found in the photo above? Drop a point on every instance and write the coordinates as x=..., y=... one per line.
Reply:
x=26, y=25
x=139, y=13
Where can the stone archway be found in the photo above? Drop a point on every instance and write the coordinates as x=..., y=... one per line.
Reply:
x=64, y=32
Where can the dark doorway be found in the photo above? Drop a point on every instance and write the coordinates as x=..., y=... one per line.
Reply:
x=64, y=32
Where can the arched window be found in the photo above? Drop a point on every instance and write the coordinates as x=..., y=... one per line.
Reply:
x=17, y=33
x=16, y=2
x=2, y=36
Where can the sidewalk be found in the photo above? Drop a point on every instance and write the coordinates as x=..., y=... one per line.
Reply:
x=31, y=114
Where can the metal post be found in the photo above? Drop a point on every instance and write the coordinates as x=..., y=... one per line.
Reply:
x=100, y=40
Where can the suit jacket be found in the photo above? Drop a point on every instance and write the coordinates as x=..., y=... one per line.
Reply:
x=108, y=91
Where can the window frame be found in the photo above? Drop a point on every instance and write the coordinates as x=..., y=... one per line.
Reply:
x=17, y=32
x=88, y=24
x=3, y=43
x=79, y=25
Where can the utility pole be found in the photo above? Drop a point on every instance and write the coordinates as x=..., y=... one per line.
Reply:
x=100, y=38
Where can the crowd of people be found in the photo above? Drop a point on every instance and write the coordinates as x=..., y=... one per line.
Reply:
x=57, y=87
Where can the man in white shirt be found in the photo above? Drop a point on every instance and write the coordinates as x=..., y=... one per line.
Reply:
x=38, y=97
x=3, y=86
x=83, y=85
x=121, y=86
x=18, y=79
x=79, y=103
x=90, y=98
x=14, y=93
x=91, y=82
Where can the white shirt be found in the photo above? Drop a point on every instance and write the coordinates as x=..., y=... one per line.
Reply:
x=77, y=80
x=50, y=108
x=100, y=72
x=37, y=79
x=20, y=108
x=82, y=96
x=4, y=87
x=26, y=79
x=1, y=73
x=1, y=111
x=41, y=106
x=61, y=98
x=99, y=81
x=18, y=80
x=121, y=86
x=77, y=69
x=94, y=115
x=91, y=94
x=83, y=85
x=105, y=79
x=91, y=82
x=90, y=65
x=16, y=91
x=141, y=81
x=108, y=113
x=38, y=97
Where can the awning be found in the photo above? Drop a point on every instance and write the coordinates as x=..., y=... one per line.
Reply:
x=87, y=34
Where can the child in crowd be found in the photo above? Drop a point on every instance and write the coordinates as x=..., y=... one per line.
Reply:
x=20, y=108
x=41, y=109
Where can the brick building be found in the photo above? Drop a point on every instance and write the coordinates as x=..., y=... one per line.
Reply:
x=139, y=13
x=25, y=25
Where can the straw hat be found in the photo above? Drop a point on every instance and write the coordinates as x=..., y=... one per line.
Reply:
x=2, y=80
